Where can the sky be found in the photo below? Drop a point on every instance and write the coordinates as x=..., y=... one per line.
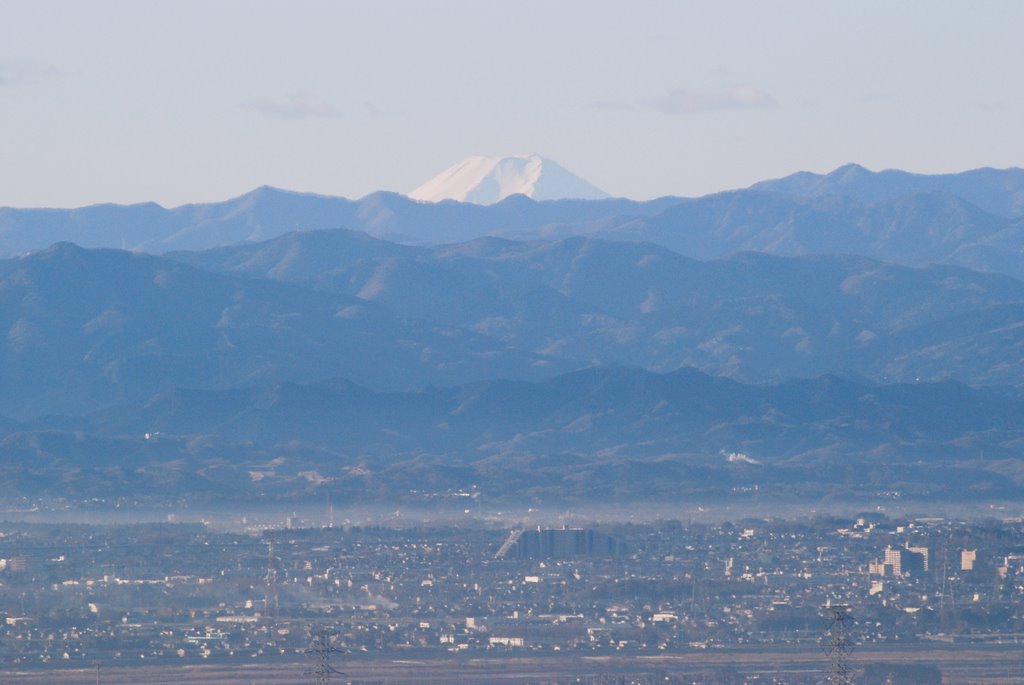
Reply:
x=195, y=101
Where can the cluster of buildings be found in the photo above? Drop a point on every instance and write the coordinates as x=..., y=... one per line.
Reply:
x=187, y=592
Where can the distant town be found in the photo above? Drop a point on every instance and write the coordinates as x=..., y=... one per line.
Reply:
x=82, y=596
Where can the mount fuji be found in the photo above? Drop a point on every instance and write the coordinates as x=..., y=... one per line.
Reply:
x=486, y=180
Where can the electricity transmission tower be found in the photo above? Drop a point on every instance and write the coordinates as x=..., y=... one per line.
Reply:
x=271, y=602
x=838, y=644
x=319, y=651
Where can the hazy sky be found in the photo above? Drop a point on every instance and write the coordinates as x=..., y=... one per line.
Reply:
x=126, y=101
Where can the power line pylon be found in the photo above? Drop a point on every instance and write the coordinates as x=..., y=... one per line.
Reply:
x=838, y=622
x=319, y=651
x=271, y=602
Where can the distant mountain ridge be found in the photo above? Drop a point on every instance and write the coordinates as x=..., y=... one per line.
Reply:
x=268, y=212
x=964, y=219
x=596, y=434
x=923, y=228
x=591, y=410
x=86, y=328
x=996, y=191
x=90, y=328
x=795, y=340
x=641, y=414
x=750, y=316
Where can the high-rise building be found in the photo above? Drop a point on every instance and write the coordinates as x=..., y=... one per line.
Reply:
x=18, y=564
x=893, y=561
x=923, y=552
x=900, y=560
x=566, y=543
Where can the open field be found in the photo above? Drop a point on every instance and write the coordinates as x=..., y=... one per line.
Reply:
x=960, y=666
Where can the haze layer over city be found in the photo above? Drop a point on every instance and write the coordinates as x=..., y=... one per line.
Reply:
x=578, y=342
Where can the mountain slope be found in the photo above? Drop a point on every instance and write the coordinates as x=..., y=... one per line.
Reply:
x=890, y=216
x=749, y=316
x=268, y=212
x=601, y=433
x=912, y=229
x=585, y=411
x=486, y=180
x=997, y=191
x=85, y=328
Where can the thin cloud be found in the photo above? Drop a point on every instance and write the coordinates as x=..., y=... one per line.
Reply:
x=305, y=106
x=375, y=112
x=879, y=98
x=991, y=105
x=21, y=73
x=682, y=101
x=611, y=106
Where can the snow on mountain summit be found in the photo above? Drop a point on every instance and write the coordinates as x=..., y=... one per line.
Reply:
x=486, y=180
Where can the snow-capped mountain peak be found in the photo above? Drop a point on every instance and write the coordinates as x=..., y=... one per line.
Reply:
x=486, y=180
